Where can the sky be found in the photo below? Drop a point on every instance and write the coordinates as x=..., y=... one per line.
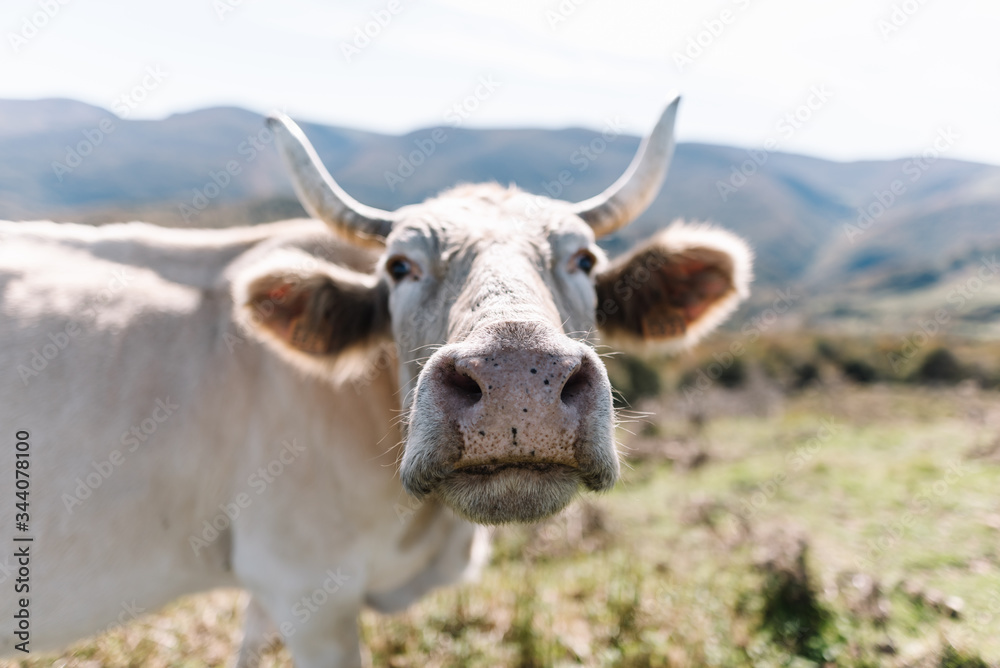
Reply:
x=838, y=79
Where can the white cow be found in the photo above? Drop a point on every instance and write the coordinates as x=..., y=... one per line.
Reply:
x=214, y=408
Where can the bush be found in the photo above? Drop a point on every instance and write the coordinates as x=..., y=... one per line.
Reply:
x=805, y=375
x=940, y=367
x=734, y=375
x=730, y=377
x=634, y=379
x=859, y=371
x=793, y=613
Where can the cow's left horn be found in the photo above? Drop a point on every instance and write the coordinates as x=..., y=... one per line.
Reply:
x=637, y=188
x=320, y=194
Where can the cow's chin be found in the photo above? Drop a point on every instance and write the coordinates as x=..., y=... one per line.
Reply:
x=501, y=494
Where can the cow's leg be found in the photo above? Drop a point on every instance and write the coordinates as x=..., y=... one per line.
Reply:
x=335, y=644
x=321, y=635
x=461, y=557
x=315, y=614
x=259, y=633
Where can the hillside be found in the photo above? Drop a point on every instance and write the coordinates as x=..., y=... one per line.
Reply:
x=795, y=210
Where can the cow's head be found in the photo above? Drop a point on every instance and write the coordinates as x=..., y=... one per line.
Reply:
x=492, y=296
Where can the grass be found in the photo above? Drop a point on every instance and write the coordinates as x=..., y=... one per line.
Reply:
x=847, y=526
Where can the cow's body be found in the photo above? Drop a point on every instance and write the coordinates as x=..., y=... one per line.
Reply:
x=160, y=351
x=252, y=406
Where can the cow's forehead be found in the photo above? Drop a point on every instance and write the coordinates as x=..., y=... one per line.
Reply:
x=469, y=216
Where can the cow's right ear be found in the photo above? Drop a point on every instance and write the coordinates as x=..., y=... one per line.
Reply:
x=669, y=292
x=313, y=307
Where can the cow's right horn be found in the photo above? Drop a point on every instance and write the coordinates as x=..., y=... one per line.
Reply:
x=320, y=194
x=629, y=196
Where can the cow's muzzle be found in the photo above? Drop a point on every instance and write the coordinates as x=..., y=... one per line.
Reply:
x=507, y=425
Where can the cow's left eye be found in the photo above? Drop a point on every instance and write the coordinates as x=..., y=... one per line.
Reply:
x=584, y=261
x=399, y=268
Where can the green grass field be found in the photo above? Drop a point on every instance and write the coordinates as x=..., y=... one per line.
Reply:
x=848, y=526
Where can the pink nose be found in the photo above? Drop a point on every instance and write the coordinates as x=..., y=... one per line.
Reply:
x=519, y=406
x=509, y=423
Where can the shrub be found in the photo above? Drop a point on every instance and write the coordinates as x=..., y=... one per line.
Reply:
x=805, y=375
x=734, y=375
x=634, y=379
x=793, y=613
x=940, y=367
x=859, y=371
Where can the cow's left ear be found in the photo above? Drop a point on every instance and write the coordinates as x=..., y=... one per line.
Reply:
x=307, y=306
x=673, y=289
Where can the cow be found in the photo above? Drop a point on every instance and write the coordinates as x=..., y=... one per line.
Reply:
x=325, y=412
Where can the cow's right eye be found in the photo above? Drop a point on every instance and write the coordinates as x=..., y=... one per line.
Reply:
x=399, y=268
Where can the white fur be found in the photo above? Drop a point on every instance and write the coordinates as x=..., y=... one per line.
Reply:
x=336, y=506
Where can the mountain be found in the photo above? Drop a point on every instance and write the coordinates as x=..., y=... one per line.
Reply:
x=803, y=215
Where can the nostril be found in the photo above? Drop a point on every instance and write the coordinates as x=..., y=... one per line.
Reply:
x=576, y=385
x=461, y=386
